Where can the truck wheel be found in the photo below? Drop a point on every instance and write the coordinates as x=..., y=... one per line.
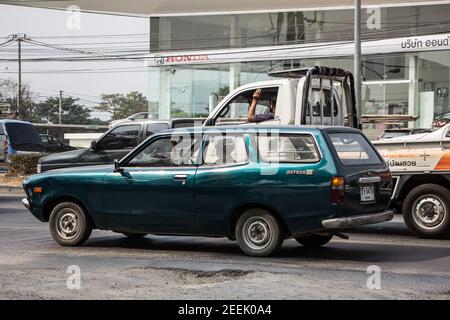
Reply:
x=258, y=233
x=313, y=240
x=426, y=211
x=69, y=224
x=130, y=235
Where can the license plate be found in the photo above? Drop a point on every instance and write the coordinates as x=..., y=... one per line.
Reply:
x=367, y=193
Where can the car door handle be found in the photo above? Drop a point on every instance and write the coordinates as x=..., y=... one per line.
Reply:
x=181, y=177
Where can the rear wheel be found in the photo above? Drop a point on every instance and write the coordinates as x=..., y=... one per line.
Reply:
x=130, y=235
x=426, y=211
x=69, y=224
x=313, y=240
x=258, y=233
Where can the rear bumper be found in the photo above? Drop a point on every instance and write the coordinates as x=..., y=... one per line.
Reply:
x=355, y=221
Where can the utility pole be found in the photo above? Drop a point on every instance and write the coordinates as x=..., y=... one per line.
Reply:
x=357, y=66
x=19, y=37
x=19, y=60
x=60, y=106
x=60, y=114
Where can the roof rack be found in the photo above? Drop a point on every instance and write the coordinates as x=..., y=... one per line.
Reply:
x=302, y=72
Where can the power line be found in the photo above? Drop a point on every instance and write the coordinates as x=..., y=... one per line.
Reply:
x=75, y=50
x=6, y=43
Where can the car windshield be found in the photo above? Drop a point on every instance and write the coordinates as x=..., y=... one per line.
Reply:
x=394, y=134
x=354, y=149
x=23, y=136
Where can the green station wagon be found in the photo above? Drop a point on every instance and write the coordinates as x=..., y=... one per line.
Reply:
x=255, y=184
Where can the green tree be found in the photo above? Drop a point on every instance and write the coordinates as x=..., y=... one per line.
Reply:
x=222, y=92
x=121, y=106
x=72, y=111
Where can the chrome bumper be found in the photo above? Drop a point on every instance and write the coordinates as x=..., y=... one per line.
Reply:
x=355, y=221
x=26, y=203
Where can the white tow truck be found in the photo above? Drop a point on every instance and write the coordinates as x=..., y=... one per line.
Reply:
x=303, y=96
x=420, y=166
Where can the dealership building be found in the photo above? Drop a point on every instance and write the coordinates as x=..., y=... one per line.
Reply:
x=200, y=50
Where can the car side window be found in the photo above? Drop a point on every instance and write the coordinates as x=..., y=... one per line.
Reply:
x=141, y=116
x=170, y=151
x=286, y=148
x=120, y=138
x=224, y=150
x=237, y=108
x=155, y=127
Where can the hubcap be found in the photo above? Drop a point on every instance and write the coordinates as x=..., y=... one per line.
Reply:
x=429, y=212
x=257, y=233
x=68, y=224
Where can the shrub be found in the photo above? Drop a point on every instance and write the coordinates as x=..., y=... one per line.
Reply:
x=23, y=164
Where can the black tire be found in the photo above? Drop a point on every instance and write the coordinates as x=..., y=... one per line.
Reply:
x=313, y=240
x=134, y=236
x=254, y=224
x=426, y=211
x=69, y=224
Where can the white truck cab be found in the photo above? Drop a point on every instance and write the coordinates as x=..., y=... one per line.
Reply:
x=303, y=96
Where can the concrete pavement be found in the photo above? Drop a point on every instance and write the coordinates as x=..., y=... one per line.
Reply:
x=33, y=266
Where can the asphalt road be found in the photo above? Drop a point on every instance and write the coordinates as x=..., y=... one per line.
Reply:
x=33, y=266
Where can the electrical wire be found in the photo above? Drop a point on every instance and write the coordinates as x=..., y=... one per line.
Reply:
x=6, y=43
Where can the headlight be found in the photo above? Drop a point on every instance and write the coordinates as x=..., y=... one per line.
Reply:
x=38, y=168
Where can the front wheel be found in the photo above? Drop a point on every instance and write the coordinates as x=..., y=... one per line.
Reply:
x=258, y=233
x=313, y=240
x=426, y=211
x=69, y=224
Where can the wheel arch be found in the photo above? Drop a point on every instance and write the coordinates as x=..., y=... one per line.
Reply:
x=416, y=180
x=53, y=202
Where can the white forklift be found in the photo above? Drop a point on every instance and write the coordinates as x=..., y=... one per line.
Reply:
x=420, y=166
x=315, y=96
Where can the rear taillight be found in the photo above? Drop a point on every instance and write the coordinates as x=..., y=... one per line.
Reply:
x=337, y=190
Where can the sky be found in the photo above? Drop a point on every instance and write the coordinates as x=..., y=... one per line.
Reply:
x=101, y=33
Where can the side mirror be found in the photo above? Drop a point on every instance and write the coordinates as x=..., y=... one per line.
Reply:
x=117, y=167
x=94, y=145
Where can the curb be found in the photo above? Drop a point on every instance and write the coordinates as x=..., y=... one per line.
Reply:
x=11, y=190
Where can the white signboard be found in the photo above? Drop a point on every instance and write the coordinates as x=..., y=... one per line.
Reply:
x=301, y=51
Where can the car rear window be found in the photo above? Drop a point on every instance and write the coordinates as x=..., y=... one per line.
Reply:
x=187, y=124
x=354, y=149
x=23, y=136
x=156, y=127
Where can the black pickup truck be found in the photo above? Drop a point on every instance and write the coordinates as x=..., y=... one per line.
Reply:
x=114, y=144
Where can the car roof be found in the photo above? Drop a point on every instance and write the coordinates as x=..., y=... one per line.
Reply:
x=14, y=121
x=249, y=127
x=169, y=121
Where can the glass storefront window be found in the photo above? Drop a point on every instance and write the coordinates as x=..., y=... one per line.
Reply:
x=294, y=27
